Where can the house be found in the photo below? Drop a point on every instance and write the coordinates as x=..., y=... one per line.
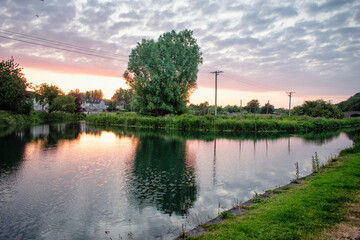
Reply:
x=40, y=107
x=120, y=105
x=93, y=106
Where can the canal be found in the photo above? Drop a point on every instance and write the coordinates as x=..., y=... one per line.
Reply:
x=73, y=181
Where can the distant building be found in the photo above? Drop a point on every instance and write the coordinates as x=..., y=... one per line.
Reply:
x=120, y=105
x=40, y=107
x=93, y=106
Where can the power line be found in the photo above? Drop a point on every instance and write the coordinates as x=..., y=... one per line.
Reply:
x=56, y=43
x=254, y=84
x=64, y=49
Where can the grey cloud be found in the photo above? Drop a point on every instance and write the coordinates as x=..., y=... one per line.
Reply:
x=97, y=15
x=236, y=7
x=329, y=5
x=285, y=11
x=121, y=25
x=256, y=21
x=132, y=15
x=236, y=41
x=357, y=15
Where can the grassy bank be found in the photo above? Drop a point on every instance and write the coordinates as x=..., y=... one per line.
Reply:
x=11, y=120
x=304, y=212
x=246, y=123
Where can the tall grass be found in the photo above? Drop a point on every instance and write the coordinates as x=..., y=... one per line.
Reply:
x=222, y=123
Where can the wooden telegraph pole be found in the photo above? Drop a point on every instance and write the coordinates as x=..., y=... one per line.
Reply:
x=216, y=74
x=290, y=94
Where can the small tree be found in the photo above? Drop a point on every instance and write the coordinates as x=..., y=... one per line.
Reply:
x=232, y=109
x=318, y=108
x=253, y=106
x=268, y=108
x=163, y=73
x=63, y=104
x=78, y=100
x=13, y=88
x=123, y=95
x=46, y=93
x=111, y=106
x=201, y=109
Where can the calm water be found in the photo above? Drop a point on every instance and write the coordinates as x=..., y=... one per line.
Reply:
x=75, y=182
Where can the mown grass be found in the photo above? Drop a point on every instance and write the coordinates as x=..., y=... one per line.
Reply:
x=245, y=123
x=304, y=212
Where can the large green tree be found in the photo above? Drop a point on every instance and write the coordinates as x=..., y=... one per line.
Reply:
x=318, y=108
x=13, y=85
x=163, y=73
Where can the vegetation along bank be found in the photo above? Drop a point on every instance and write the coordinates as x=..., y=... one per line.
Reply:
x=246, y=123
x=14, y=120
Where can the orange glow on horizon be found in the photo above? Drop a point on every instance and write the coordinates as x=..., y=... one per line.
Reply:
x=109, y=85
x=83, y=82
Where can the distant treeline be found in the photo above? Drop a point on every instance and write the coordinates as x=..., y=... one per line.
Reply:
x=246, y=123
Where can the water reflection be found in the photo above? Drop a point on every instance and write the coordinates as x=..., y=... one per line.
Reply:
x=163, y=175
x=12, y=147
x=72, y=181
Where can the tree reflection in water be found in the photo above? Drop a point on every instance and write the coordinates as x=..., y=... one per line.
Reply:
x=163, y=175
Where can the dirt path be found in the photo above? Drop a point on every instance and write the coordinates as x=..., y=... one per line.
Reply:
x=350, y=227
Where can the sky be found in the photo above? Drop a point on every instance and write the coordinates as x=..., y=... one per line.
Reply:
x=264, y=48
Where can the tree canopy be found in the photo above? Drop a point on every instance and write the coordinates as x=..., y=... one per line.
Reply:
x=46, y=93
x=318, y=108
x=63, y=103
x=252, y=106
x=13, y=88
x=268, y=108
x=163, y=74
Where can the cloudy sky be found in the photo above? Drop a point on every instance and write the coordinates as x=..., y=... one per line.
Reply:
x=265, y=48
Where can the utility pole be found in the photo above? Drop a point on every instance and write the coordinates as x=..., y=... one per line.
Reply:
x=240, y=106
x=290, y=94
x=216, y=74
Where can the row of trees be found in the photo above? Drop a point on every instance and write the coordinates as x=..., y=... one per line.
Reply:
x=252, y=107
x=92, y=94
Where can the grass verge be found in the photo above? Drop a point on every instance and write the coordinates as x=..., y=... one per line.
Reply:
x=304, y=212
